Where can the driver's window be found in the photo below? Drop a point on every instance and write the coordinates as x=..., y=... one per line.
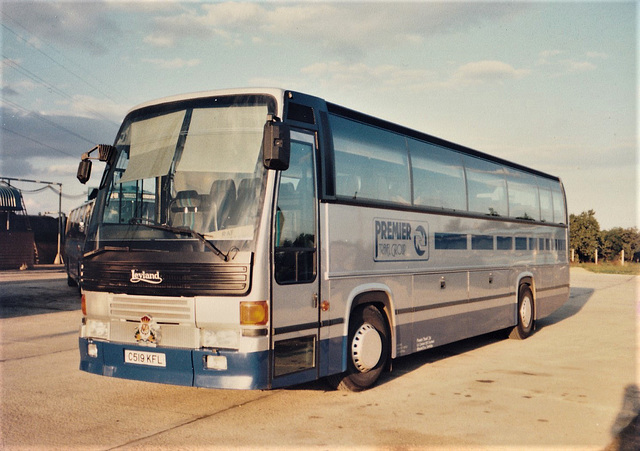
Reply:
x=295, y=231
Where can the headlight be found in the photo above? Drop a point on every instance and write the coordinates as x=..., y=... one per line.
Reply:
x=95, y=328
x=219, y=339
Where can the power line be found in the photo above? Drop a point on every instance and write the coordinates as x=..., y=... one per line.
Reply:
x=47, y=187
x=49, y=57
x=33, y=191
x=74, y=197
x=66, y=196
x=38, y=142
x=18, y=67
x=43, y=119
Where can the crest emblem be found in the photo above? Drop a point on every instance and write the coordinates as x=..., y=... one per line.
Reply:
x=147, y=331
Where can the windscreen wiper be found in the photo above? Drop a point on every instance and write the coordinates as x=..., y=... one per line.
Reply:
x=182, y=231
x=103, y=249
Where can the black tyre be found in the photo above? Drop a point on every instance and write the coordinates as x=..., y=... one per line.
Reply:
x=526, y=314
x=368, y=350
x=71, y=282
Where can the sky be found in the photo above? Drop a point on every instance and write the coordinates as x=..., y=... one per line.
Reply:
x=550, y=85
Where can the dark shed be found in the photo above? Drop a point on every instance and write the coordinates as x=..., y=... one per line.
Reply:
x=17, y=244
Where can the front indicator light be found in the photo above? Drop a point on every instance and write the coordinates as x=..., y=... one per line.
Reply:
x=254, y=313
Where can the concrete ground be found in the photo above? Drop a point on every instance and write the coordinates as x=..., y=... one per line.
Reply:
x=572, y=385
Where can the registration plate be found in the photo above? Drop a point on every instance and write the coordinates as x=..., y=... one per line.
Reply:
x=145, y=358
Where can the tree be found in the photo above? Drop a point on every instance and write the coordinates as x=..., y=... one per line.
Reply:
x=632, y=240
x=612, y=243
x=584, y=235
x=617, y=239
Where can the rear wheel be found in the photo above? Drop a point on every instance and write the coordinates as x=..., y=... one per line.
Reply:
x=526, y=318
x=367, y=348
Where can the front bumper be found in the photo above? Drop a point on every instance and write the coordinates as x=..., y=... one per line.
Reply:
x=183, y=366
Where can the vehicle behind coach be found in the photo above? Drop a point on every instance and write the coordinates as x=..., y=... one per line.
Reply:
x=74, y=237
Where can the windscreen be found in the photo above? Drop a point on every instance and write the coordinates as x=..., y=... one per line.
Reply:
x=195, y=166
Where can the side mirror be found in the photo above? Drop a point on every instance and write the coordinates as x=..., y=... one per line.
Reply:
x=276, y=145
x=105, y=153
x=84, y=171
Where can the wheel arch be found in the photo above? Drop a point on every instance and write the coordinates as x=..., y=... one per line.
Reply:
x=380, y=296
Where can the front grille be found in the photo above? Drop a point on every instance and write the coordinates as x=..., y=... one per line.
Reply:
x=171, y=335
x=167, y=279
x=170, y=310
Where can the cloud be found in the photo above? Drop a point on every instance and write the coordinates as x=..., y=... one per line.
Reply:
x=10, y=87
x=62, y=170
x=70, y=24
x=350, y=29
x=546, y=56
x=486, y=71
x=559, y=61
x=17, y=88
x=39, y=146
x=386, y=77
x=355, y=75
x=176, y=63
x=578, y=66
x=81, y=106
x=8, y=91
x=28, y=136
x=597, y=55
x=180, y=24
x=158, y=40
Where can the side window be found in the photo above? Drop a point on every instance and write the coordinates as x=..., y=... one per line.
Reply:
x=546, y=200
x=523, y=196
x=370, y=163
x=438, y=177
x=486, y=187
x=558, y=205
x=295, y=231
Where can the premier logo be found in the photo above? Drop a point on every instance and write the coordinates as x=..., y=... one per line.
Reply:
x=147, y=277
x=397, y=240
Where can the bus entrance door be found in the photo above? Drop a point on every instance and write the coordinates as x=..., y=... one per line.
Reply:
x=295, y=286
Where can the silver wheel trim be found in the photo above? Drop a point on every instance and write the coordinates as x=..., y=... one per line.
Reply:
x=366, y=348
x=526, y=311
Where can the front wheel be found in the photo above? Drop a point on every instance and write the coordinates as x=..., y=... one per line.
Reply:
x=71, y=281
x=526, y=316
x=367, y=350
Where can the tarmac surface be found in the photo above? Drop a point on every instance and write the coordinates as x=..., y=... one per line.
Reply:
x=572, y=385
x=36, y=291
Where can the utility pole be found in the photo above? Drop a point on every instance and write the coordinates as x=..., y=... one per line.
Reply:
x=58, y=259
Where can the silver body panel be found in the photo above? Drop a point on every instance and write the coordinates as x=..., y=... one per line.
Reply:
x=455, y=293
